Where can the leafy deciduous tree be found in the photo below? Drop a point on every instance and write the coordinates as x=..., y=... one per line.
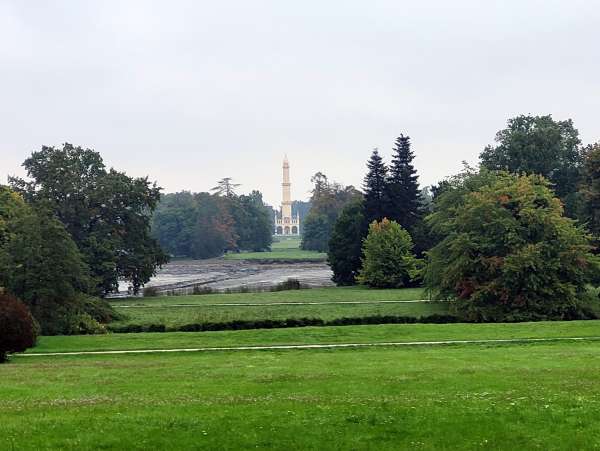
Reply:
x=508, y=253
x=106, y=213
x=540, y=145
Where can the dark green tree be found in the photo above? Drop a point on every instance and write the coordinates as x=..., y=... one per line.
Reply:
x=173, y=223
x=403, y=194
x=225, y=187
x=507, y=252
x=540, y=145
x=374, y=187
x=253, y=222
x=345, y=245
x=590, y=190
x=317, y=229
x=43, y=267
x=106, y=213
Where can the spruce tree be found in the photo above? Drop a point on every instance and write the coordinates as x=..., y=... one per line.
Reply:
x=402, y=186
x=376, y=202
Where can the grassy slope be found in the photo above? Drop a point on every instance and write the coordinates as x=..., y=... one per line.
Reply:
x=332, y=294
x=460, y=397
x=285, y=249
x=159, y=310
x=345, y=334
x=177, y=316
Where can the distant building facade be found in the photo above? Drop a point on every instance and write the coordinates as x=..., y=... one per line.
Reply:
x=285, y=223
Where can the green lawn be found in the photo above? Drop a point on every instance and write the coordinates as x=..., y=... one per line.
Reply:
x=513, y=396
x=331, y=294
x=178, y=316
x=213, y=309
x=281, y=249
x=315, y=335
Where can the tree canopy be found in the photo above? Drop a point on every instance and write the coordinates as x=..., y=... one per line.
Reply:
x=402, y=186
x=540, y=145
x=345, y=245
x=507, y=252
x=375, y=188
x=204, y=225
x=388, y=261
x=106, y=212
x=327, y=200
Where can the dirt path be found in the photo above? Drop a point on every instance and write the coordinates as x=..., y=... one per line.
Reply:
x=315, y=346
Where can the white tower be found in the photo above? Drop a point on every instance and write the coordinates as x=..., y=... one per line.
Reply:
x=285, y=223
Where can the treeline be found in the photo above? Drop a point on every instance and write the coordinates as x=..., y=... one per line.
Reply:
x=327, y=200
x=204, y=225
x=511, y=240
x=70, y=232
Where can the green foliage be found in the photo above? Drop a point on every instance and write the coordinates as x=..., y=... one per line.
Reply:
x=106, y=212
x=590, y=189
x=375, y=188
x=508, y=253
x=17, y=327
x=345, y=244
x=316, y=232
x=540, y=145
x=253, y=222
x=42, y=263
x=402, y=186
x=12, y=206
x=205, y=225
x=328, y=199
x=388, y=261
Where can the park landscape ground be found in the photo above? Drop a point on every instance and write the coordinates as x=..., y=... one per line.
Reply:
x=495, y=386
x=282, y=248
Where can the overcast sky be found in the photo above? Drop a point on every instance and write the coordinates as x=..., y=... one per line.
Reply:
x=188, y=92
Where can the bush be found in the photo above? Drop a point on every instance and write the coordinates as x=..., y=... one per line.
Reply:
x=289, y=284
x=82, y=315
x=17, y=326
x=508, y=253
x=150, y=292
x=199, y=289
x=83, y=324
x=388, y=261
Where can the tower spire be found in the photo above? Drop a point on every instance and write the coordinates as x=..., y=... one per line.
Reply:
x=286, y=224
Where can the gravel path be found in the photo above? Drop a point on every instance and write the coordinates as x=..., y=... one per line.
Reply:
x=314, y=346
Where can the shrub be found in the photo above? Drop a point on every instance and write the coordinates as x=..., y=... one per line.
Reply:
x=199, y=289
x=388, y=261
x=150, y=292
x=82, y=315
x=508, y=253
x=289, y=284
x=17, y=326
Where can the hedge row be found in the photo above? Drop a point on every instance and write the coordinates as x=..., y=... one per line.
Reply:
x=283, y=323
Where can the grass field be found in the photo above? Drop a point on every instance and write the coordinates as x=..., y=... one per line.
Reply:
x=330, y=294
x=213, y=308
x=512, y=396
x=282, y=249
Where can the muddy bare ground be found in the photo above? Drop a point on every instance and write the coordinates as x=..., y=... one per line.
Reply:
x=218, y=274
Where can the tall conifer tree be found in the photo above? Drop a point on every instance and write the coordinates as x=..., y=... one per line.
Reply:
x=402, y=186
x=376, y=202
